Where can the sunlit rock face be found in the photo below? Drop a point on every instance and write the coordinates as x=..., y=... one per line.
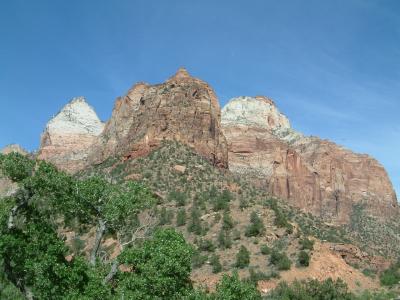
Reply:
x=315, y=175
x=69, y=135
x=183, y=108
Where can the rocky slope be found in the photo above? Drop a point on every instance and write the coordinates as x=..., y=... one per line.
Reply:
x=69, y=135
x=183, y=109
x=312, y=174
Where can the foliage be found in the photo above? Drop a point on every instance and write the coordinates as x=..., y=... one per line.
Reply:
x=304, y=258
x=179, y=197
x=16, y=166
x=181, y=217
x=160, y=267
x=311, y=290
x=391, y=276
x=232, y=288
x=242, y=257
x=306, y=244
x=195, y=222
x=224, y=239
x=216, y=264
x=265, y=250
x=256, y=227
x=280, y=260
x=227, y=221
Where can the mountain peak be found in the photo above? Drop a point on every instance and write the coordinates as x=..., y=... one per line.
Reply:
x=259, y=111
x=181, y=74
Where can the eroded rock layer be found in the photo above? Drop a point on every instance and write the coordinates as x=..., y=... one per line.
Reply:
x=183, y=109
x=69, y=135
x=312, y=174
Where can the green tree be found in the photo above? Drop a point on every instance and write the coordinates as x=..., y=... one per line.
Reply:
x=215, y=263
x=242, y=257
x=232, y=288
x=227, y=221
x=160, y=268
x=224, y=239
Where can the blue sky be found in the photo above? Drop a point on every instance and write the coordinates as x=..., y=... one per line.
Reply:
x=333, y=67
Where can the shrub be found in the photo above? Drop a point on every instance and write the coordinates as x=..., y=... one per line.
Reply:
x=391, y=276
x=312, y=289
x=181, y=217
x=280, y=260
x=256, y=227
x=232, y=288
x=265, y=250
x=165, y=216
x=198, y=259
x=216, y=265
x=306, y=244
x=255, y=276
x=206, y=245
x=178, y=197
x=242, y=257
x=304, y=258
x=227, y=221
x=195, y=222
x=224, y=239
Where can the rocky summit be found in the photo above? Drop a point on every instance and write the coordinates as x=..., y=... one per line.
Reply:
x=315, y=175
x=251, y=137
x=69, y=135
x=184, y=109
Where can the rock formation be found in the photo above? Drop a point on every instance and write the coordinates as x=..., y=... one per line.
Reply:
x=69, y=135
x=183, y=108
x=315, y=175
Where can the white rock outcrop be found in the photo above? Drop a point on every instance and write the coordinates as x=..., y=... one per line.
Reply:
x=68, y=136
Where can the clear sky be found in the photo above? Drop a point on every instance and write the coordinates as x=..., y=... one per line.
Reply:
x=333, y=67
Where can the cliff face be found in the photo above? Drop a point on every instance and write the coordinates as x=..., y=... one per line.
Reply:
x=68, y=136
x=315, y=175
x=183, y=108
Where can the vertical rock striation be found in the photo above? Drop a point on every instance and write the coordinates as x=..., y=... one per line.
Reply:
x=315, y=175
x=183, y=109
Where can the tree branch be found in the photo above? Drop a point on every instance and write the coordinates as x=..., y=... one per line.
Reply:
x=101, y=228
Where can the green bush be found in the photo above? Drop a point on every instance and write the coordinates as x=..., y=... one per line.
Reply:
x=198, y=259
x=304, y=258
x=391, y=276
x=206, y=245
x=256, y=227
x=227, y=221
x=181, y=217
x=232, y=288
x=216, y=264
x=265, y=250
x=224, y=239
x=195, y=222
x=306, y=244
x=280, y=260
x=242, y=258
x=312, y=290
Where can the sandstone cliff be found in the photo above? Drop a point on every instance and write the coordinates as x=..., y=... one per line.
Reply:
x=183, y=109
x=315, y=175
x=69, y=135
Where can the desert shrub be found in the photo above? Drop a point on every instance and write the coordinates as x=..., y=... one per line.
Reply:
x=265, y=250
x=256, y=227
x=215, y=263
x=306, y=244
x=304, y=258
x=255, y=276
x=227, y=221
x=178, y=197
x=312, y=290
x=198, y=259
x=206, y=245
x=181, y=217
x=195, y=222
x=165, y=216
x=224, y=239
x=242, y=258
x=280, y=260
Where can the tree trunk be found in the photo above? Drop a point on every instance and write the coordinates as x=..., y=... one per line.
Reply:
x=113, y=271
x=101, y=228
